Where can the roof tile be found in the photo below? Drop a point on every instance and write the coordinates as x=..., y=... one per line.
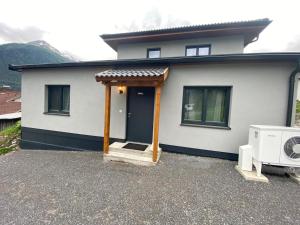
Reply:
x=132, y=72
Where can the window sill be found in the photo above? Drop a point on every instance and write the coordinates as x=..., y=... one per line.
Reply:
x=57, y=114
x=205, y=126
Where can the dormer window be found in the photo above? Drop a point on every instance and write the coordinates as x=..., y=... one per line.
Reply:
x=153, y=53
x=197, y=50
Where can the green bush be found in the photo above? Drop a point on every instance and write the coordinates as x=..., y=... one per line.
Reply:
x=298, y=106
x=9, y=138
x=5, y=150
x=15, y=129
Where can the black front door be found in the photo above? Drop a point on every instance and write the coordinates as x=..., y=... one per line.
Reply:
x=140, y=114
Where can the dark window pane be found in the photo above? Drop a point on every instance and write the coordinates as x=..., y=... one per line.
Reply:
x=58, y=98
x=206, y=105
x=215, y=111
x=193, y=104
x=54, y=93
x=203, y=51
x=191, y=51
x=66, y=99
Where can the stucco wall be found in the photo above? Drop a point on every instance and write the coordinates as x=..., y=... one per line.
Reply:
x=259, y=96
x=219, y=45
x=86, y=103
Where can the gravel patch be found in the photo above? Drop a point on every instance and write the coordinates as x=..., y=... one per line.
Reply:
x=58, y=187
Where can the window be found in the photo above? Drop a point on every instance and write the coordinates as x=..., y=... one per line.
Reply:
x=197, y=50
x=206, y=105
x=58, y=99
x=153, y=53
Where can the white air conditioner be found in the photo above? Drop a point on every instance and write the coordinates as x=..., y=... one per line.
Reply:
x=275, y=145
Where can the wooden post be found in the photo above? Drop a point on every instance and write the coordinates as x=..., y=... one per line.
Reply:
x=156, y=122
x=107, y=119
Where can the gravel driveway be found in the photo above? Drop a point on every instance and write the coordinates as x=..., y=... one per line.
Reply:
x=57, y=187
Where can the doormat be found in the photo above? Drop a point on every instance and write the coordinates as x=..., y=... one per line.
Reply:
x=134, y=146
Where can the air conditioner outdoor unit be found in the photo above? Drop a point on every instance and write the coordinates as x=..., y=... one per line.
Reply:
x=274, y=145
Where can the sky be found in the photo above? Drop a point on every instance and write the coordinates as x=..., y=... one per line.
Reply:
x=74, y=26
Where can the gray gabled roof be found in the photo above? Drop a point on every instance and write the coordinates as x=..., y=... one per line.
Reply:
x=233, y=24
x=133, y=72
x=249, y=29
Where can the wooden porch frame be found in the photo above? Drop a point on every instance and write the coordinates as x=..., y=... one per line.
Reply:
x=107, y=119
x=156, y=122
x=156, y=82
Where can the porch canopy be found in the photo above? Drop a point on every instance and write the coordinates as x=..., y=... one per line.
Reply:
x=133, y=77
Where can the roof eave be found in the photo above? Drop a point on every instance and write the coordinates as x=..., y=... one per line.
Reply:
x=231, y=58
x=248, y=28
x=249, y=33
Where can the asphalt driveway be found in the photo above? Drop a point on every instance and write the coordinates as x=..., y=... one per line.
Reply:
x=57, y=187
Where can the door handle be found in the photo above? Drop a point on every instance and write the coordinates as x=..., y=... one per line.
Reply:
x=129, y=115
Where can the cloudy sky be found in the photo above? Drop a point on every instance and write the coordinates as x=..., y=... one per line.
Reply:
x=74, y=26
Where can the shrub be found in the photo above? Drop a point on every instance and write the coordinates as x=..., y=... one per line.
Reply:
x=9, y=138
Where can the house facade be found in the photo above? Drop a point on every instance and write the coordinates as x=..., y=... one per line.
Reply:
x=188, y=90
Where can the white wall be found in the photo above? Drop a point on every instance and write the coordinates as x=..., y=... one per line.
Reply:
x=259, y=96
x=219, y=45
x=86, y=103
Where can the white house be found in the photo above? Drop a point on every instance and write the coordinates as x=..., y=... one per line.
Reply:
x=189, y=90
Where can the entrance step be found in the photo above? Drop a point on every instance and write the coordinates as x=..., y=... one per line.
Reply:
x=137, y=157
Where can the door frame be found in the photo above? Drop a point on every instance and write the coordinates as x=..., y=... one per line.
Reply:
x=127, y=108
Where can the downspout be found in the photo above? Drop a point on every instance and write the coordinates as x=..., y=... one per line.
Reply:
x=291, y=94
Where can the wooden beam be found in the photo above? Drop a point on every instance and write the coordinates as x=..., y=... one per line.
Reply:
x=171, y=35
x=166, y=73
x=156, y=122
x=107, y=119
x=134, y=83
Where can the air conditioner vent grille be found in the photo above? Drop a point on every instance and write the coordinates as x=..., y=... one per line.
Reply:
x=289, y=147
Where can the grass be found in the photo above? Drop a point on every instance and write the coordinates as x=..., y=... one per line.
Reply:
x=298, y=106
x=9, y=138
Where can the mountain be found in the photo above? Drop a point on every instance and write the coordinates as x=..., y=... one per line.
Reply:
x=44, y=44
x=36, y=52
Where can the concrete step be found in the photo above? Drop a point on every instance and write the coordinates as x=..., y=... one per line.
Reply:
x=120, y=154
